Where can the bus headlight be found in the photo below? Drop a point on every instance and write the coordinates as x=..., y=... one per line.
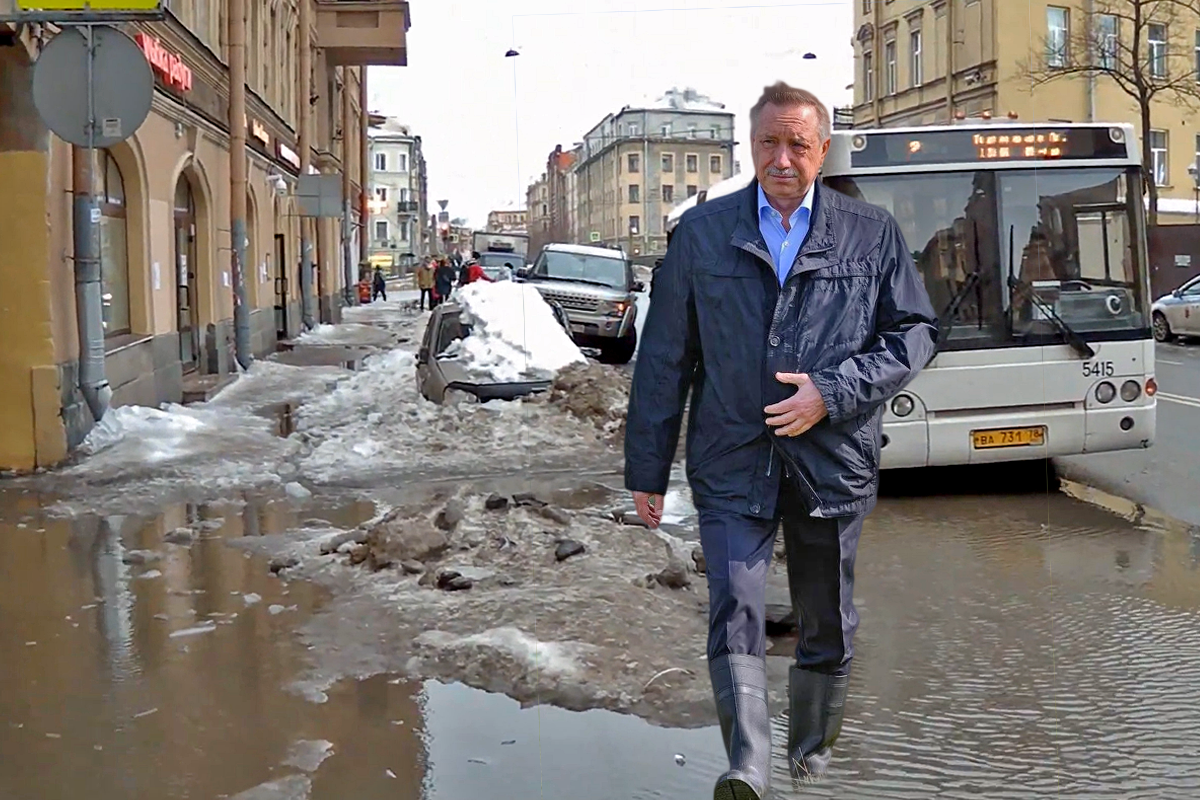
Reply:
x=1130, y=390
x=903, y=405
x=1105, y=392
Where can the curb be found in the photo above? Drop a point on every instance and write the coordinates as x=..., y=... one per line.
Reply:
x=1130, y=510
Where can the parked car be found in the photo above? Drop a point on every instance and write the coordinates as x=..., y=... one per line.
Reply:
x=500, y=266
x=1178, y=313
x=436, y=375
x=597, y=289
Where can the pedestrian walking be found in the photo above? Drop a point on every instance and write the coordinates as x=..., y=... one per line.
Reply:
x=425, y=283
x=793, y=313
x=443, y=279
x=379, y=286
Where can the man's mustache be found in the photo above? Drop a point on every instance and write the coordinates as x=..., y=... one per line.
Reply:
x=782, y=173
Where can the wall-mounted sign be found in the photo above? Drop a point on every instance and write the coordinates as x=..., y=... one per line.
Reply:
x=287, y=154
x=168, y=66
x=259, y=132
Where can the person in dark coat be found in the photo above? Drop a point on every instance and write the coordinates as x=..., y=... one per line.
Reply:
x=378, y=286
x=793, y=314
x=443, y=279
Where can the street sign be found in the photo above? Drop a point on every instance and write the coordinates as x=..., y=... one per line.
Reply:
x=120, y=80
x=80, y=11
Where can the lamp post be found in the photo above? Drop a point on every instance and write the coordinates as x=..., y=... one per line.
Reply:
x=1194, y=171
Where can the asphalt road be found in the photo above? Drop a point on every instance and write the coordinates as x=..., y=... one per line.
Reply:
x=1167, y=476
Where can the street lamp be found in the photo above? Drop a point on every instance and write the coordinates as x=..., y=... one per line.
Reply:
x=1194, y=171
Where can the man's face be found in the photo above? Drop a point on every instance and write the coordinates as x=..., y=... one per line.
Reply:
x=788, y=150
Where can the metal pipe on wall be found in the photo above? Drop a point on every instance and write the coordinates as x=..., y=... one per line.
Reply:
x=349, y=295
x=364, y=167
x=305, y=125
x=89, y=314
x=237, y=180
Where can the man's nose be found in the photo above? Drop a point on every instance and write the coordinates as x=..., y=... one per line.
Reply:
x=782, y=159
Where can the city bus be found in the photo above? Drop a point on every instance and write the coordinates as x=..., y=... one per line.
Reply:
x=1031, y=239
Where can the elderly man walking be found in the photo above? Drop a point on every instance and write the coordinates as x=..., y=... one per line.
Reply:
x=793, y=313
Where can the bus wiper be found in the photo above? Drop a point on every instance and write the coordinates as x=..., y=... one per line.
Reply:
x=950, y=315
x=1073, y=338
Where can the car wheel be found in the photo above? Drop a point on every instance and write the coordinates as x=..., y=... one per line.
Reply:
x=620, y=351
x=1162, y=329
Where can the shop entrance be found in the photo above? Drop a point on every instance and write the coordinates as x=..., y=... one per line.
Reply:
x=187, y=320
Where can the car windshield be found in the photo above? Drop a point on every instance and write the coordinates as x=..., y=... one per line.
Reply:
x=498, y=260
x=449, y=331
x=584, y=267
x=1066, y=237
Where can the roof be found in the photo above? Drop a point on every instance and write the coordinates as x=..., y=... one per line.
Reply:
x=676, y=99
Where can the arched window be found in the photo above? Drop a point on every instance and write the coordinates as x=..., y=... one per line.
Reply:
x=114, y=254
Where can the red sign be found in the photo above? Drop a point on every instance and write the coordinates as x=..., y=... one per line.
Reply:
x=168, y=65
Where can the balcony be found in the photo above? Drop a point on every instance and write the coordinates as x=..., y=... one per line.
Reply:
x=362, y=33
x=408, y=207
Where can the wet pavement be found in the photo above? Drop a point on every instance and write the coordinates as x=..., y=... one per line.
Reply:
x=1011, y=646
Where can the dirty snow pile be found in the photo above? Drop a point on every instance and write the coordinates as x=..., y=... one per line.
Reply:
x=514, y=335
x=594, y=393
x=348, y=333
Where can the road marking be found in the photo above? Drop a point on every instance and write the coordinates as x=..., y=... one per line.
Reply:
x=1172, y=363
x=1177, y=398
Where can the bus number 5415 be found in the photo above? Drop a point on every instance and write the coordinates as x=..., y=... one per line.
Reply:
x=1099, y=369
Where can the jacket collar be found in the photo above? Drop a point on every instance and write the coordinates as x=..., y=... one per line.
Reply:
x=748, y=236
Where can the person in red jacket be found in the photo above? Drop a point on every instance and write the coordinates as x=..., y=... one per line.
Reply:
x=475, y=273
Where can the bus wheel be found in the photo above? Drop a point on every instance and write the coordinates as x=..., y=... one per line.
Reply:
x=1162, y=329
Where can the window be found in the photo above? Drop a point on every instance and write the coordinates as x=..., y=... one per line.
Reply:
x=381, y=162
x=666, y=219
x=1158, y=157
x=1156, y=38
x=404, y=195
x=691, y=190
x=1196, y=52
x=635, y=163
x=889, y=68
x=402, y=162
x=868, y=78
x=668, y=162
x=633, y=128
x=635, y=193
x=1058, y=21
x=866, y=6
x=691, y=131
x=715, y=133
x=402, y=231
x=1106, y=41
x=1196, y=157
x=666, y=129
x=915, y=72
x=381, y=229
x=381, y=194
x=635, y=225
x=714, y=164
x=693, y=162
x=114, y=255
x=668, y=193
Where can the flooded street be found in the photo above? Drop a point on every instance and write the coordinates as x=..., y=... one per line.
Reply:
x=1011, y=646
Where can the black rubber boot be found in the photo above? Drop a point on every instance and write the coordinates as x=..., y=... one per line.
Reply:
x=817, y=701
x=740, y=688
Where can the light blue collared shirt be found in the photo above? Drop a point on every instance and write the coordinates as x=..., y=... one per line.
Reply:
x=783, y=244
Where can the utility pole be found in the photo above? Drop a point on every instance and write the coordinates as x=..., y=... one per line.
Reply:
x=305, y=124
x=237, y=179
x=348, y=291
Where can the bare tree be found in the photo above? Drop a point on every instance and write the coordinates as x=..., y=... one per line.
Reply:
x=1144, y=47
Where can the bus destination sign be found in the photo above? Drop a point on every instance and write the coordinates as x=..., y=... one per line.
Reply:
x=968, y=146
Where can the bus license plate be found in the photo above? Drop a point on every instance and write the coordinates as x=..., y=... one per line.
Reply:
x=1009, y=437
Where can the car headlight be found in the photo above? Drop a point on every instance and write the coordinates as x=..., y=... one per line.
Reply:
x=618, y=308
x=1105, y=392
x=903, y=405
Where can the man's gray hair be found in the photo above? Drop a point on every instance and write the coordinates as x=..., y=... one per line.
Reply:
x=783, y=95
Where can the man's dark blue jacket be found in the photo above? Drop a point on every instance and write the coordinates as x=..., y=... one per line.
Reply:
x=853, y=315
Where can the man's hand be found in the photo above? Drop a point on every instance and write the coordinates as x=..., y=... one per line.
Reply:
x=799, y=412
x=649, y=508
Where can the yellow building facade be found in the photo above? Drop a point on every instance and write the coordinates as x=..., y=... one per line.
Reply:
x=920, y=62
x=164, y=198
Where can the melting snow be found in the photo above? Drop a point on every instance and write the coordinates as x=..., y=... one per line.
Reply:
x=559, y=658
x=514, y=333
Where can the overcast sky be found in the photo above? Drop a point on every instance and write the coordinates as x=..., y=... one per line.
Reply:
x=459, y=92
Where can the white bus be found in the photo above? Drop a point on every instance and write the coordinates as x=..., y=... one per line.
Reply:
x=1032, y=242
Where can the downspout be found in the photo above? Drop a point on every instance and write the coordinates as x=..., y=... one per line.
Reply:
x=877, y=64
x=93, y=383
x=950, y=61
x=1089, y=15
x=646, y=193
x=237, y=180
x=305, y=121
x=349, y=295
x=364, y=165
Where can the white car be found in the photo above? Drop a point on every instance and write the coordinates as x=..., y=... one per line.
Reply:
x=1177, y=313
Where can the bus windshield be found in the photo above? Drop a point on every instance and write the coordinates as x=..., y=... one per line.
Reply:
x=1009, y=255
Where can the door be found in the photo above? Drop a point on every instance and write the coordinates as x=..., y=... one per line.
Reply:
x=187, y=321
x=1188, y=311
x=281, y=288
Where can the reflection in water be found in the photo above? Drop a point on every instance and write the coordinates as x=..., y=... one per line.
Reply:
x=1010, y=647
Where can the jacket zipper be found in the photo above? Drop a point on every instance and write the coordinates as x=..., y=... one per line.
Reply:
x=770, y=460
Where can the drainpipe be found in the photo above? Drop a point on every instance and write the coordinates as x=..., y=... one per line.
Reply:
x=305, y=124
x=237, y=179
x=950, y=41
x=1089, y=15
x=364, y=168
x=88, y=301
x=349, y=295
x=877, y=65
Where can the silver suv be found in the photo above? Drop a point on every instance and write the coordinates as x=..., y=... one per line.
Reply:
x=596, y=288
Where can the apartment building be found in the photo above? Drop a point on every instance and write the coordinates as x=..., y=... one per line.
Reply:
x=165, y=207
x=398, y=200
x=537, y=213
x=636, y=164
x=507, y=220
x=921, y=62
